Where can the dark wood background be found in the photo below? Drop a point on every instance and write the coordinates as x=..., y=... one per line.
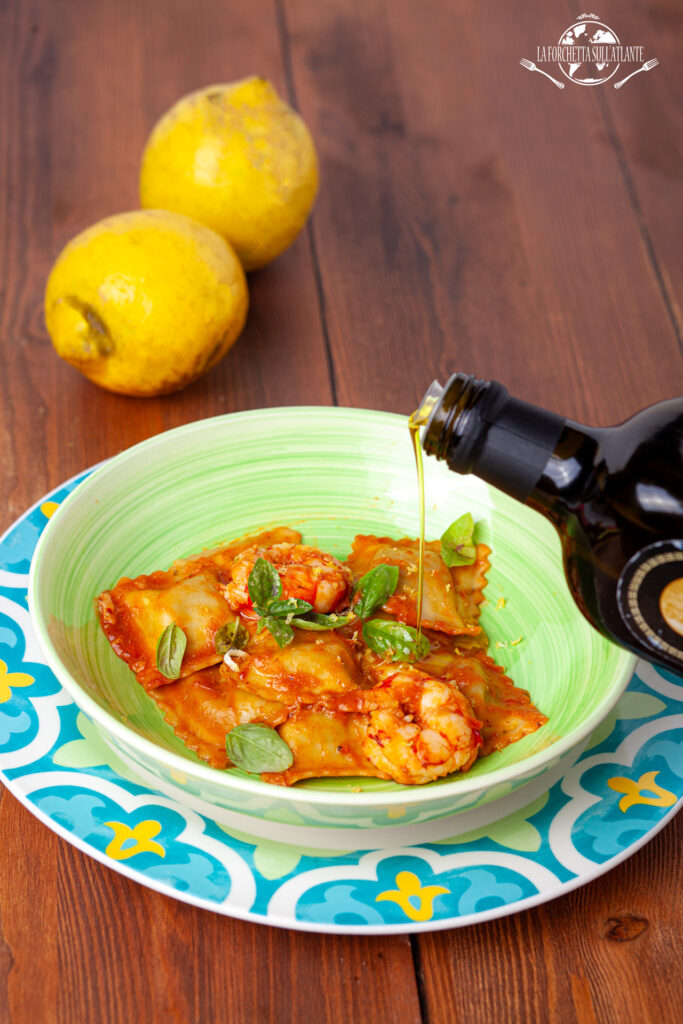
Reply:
x=470, y=216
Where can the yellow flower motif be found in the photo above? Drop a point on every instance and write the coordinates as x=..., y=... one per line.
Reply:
x=141, y=836
x=409, y=888
x=48, y=508
x=634, y=791
x=9, y=679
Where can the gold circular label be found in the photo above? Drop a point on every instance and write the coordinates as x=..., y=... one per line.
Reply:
x=671, y=605
x=650, y=599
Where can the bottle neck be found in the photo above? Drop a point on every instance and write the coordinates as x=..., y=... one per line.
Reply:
x=478, y=427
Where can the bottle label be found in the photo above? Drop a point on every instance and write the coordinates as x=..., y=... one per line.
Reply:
x=650, y=597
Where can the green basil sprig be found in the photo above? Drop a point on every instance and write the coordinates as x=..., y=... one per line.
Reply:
x=279, y=615
x=265, y=589
x=318, y=621
x=375, y=588
x=457, y=544
x=292, y=606
x=395, y=640
x=170, y=650
x=280, y=630
x=264, y=584
x=233, y=636
x=258, y=748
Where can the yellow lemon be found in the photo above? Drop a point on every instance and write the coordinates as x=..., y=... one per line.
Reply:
x=238, y=158
x=144, y=303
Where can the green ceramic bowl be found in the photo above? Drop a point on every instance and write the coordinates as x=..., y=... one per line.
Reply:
x=331, y=473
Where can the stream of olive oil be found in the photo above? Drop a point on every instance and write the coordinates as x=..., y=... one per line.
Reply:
x=414, y=428
x=417, y=420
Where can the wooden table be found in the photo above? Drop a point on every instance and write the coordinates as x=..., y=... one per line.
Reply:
x=471, y=216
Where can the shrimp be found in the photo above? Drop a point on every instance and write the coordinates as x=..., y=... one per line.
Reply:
x=416, y=728
x=305, y=572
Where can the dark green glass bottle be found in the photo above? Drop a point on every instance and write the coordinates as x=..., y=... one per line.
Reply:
x=614, y=494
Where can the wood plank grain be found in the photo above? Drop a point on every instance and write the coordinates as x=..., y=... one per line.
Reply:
x=86, y=84
x=81, y=943
x=645, y=122
x=473, y=216
x=604, y=953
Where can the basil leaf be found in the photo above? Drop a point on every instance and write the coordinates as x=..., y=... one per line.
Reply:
x=281, y=632
x=291, y=606
x=318, y=621
x=230, y=637
x=258, y=748
x=395, y=640
x=375, y=588
x=170, y=649
x=457, y=545
x=264, y=583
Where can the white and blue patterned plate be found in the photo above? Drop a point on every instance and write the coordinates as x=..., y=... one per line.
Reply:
x=626, y=785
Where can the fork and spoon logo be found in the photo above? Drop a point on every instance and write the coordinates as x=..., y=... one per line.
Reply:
x=589, y=53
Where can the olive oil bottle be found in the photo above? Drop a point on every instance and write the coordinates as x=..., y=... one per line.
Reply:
x=615, y=496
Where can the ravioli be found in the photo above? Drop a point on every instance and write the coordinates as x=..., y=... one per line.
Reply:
x=202, y=709
x=135, y=612
x=450, y=597
x=343, y=709
x=324, y=743
x=312, y=665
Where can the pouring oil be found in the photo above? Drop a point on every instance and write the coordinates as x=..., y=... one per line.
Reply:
x=414, y=429
x=418, y=419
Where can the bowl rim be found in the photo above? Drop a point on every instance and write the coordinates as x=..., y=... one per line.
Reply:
x=147, y=749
